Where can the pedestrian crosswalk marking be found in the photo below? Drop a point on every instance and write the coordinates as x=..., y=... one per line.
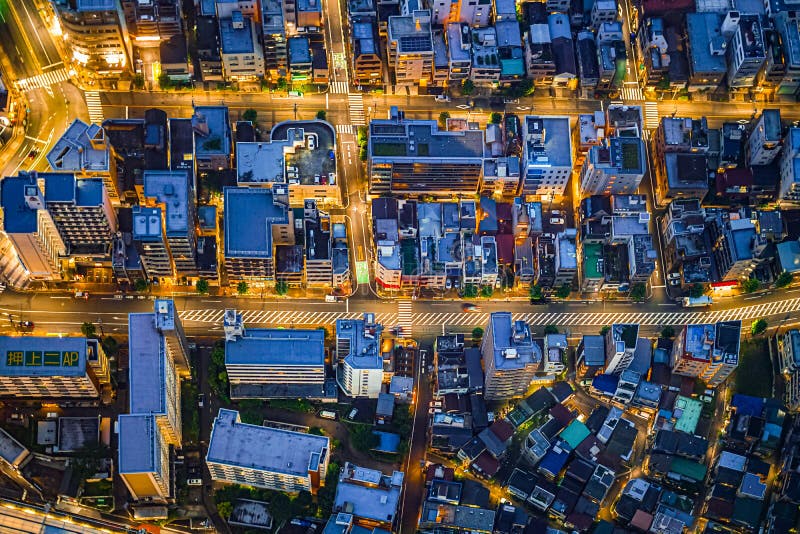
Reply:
x=46, y=79
x=95, y=107
x=339, y=88
x=405, y=318
x=346, y=129
x=632, y=91
x=651, y=117
x=356, y=106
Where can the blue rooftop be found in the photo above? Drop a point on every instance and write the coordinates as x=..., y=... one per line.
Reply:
x=18, y=218
x=747, y=405
x=64, y=187
x=139, y=444
x=606, y=383
x=236, y=40
x=171, y=188
x=512, y=344
x=703, y=30
x=146, y=223
x=555, y=459
x=148, y=365
x=277, y=346
x=211, y=123
x=363, y=336
x=594, y=347
x=299, y=50
x=249, y=216
x=42, y=356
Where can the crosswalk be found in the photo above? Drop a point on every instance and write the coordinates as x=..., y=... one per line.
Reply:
x=95, y=107
x=405, y=318
x=339, y=88
x=408, y=320
x=346, y=129
x=46, y=79
x=632, y=91
x=651, y=117
x=356, y=103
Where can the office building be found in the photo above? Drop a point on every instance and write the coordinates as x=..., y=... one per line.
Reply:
x=275, y=363
x=746, y=53
x=318, y=246
x=616, y=166
x=410, y=48
x=32, y=246
x=208, y=49
x=256, y=219
x=620, y=347
x=408, y=156
x=369, y=496
x=546, y=155
x=766, y=139
x=84, y=150
x=273, y=31
x=266, y=457
x=365, y=45
x=510, y=357
x=789, y=353
x=707, y=351
x=706, y=51
x=151, y=22
x=789, y=165
x=172, y=194
x=48, y=368
x=149, y=240
x=359, y=370
x=169, y=326
x=95, y=33
x=241, y=53
x=153, y=381
x=143, y=461
x=212, y=138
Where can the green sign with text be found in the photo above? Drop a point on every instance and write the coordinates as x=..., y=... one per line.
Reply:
x=38, y=358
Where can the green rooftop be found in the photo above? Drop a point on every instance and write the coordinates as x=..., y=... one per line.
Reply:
x=575, y=433
x=688, y=468
x=687, y=414
x=592, y=254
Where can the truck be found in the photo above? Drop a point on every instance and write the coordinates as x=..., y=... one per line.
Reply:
x=695, y=302
x=327, y=414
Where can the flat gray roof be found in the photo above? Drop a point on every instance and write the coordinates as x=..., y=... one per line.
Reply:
x=146, y=365
x=277, y=346
x=262, y=448
x=138, y=444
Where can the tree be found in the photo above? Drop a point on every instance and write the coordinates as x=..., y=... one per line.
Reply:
x=467, y=87
x=496, y=118
x=536, y=292
x=750, y=285
x=605, y=330
x=164, y=81
x=758, y=327
x=250, y=115
x=140, y=285
x=784, y=279
x=667, y=332
x=443, y=116
x=202, y=286
x=563, y=291
x=281, y=287
x=322, y=114
x=242, y=288
x=550, y=329
x=281, y=84
x=88, y=329
x=487, y=291
x=362, y=438
x=225, y=509
x=477, y=332
x=138, y=81
x=316, y=431
x=638, y=292
x=696, y=291
x=470, y=291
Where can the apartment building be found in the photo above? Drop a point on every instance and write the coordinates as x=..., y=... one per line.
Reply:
x=620, y=347
x=410, y=156
x=242, y=55
x=680, y=164
x=96, y=34
x=547, y=155
x=368, y=496
x=212, y=138
x=273, y=31
x=789, y=32
x=735, y=246
x=510, y=357
x=84, y=150
x=789, y=353
x=789, y=166
x=615, y=166
x=49, y=368
x=30, y=236
x=266, y=457
x=766, y=139
x=459, y=56
x=539, y=60
x=746, y=51
x=150, y=22
x=366, y=61
x=143, y=458
x=706, y=51
x=172, y=194
x=410, y=48
x=208, y=49
x=360, y=367
x=276, y=363
x=249, y=245
x=707, y=351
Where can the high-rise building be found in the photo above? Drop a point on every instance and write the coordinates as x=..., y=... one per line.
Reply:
x=410, y=47
x=359, y=363
x=707, y=351
x=616, y=166
x=274, y=34
x=96, y=34
x=546, y=155
x=510, y=357
x=143, y=461
x=789, y=352
x=620, y=347
x=746, y=53
x=265, y=457
x=766, y=139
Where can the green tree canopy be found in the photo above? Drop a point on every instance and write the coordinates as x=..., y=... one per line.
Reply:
x=140, y=285
x=281, y=287
x=563, y=291
x=467, y=87
x=487, y=291
x=496, y=118
x=88, y=329
x=550, y=329
x=250, y=115
x=477, y=332
x=696, y=291
x=322, y=114
x=784, y=279
x=758, y=327
x=242, y=288
x=202, y=286
x=536, y=292
x=667, y=332
x=750, y=285
x=638, y=292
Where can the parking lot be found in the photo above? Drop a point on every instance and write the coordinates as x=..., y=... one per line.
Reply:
x=313, y=165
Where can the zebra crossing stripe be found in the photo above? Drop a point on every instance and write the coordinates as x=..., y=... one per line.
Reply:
x=346, y=129
x=340, y=88
x=356, y=106
x=46, y=79
x=95, y=106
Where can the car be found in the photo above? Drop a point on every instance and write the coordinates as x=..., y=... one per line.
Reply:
x=331, y=178
x=448, y=284
x=556, y=220
x=201, y=400
x=467, y=307
x=556, y=213
x=118, y=296
x=33, y=153
x=331, y=155
x=353, y=413
x=442, y=98
x=26, y=324
x=81, y=294
x=674, y=276
x=457, y=284
x=316, y=178
x=194, y=482
x=674, y=282
x=312, y=142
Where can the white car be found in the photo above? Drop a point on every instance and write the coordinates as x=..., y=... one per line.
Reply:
x=312, y=142
x=448, y=284
x=674, y=276
x=556, y=220
x=442, y=98
x=674, y=282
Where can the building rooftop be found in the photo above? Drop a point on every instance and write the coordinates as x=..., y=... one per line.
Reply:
x=368, y=494
x=139, y=444
x=212, y=131
x=147, y=371
x=687, y=414
x=412, y=32
x=363, y=336
x=396, y=139
x=146, y=223
x=260, y=162
x=706, y=43
x=82, y=147
x=249, y=216
x=547, y=142
x=171, y=188
x=236, y=35
x=42, y=356
x=752, y=37
x=262, y=448
x=299, y=50
x=18, y=216
x=277, y=346
x=513, y=346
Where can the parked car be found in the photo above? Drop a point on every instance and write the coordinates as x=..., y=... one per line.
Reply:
x=556, y=220
x=674, y=276
x=26, y=324
x=448, y=284
x=442, y=98
x=81, y=294
x=674, y=282
x=312, y=142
